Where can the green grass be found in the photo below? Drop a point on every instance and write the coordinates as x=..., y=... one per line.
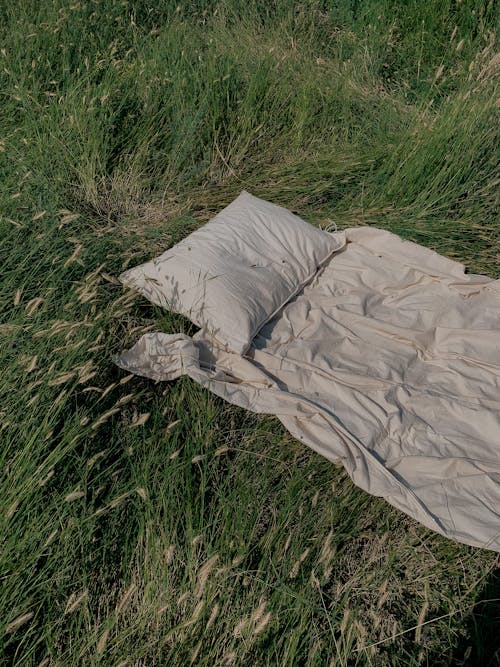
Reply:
x=203, y=534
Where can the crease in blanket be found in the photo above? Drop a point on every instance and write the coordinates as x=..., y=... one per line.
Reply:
x=403, y=392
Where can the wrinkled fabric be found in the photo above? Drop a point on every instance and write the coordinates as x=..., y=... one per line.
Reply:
x=236, y=272
x=388, y=363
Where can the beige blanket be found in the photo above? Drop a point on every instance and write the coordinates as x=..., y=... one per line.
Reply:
x=389, y=363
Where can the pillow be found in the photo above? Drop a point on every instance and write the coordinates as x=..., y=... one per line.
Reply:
x=234, y=273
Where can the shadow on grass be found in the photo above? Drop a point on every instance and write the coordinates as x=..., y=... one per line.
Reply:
x=481, y=642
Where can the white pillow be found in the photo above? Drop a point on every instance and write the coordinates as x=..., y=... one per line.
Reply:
x=234, y=273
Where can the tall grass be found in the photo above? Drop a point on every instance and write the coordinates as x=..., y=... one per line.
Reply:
x=148, y=524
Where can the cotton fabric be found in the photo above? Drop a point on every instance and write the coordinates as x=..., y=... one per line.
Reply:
x=388, y=362
x=232, y=275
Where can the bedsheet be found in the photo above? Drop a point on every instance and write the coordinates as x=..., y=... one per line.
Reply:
x=388, y=362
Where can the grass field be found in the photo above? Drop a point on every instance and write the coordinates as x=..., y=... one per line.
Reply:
x=153, y=524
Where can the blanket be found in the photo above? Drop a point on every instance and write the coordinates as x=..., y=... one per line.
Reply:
x=388, y=362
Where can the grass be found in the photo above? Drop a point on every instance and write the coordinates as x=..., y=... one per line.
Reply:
x=152, y=524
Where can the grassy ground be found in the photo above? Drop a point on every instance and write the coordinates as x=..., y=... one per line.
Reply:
x=152, y=524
